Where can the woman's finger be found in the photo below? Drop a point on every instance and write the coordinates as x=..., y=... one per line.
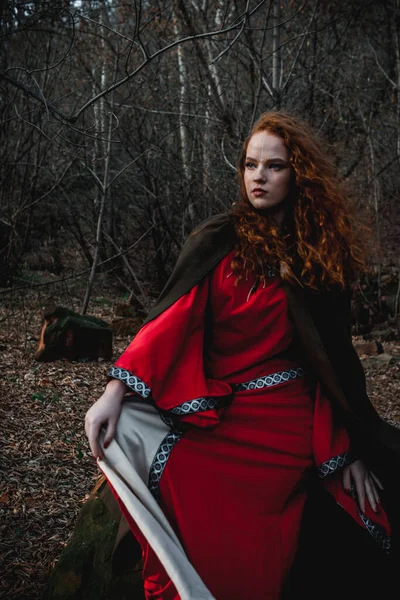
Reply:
x=110, y=433
x=369, y=489
x=375, y=490
x=377, y=480
x=93, y=434
x=346, y=480
x=360, y=490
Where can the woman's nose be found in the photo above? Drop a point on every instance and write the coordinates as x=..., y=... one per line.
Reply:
x=260, y=175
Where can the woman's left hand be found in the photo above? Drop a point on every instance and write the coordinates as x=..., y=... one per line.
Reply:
x=366, y=484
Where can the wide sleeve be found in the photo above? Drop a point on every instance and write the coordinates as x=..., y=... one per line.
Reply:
x=164, y=363
x=332, y=453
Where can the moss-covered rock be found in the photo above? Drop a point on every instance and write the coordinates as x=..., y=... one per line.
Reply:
x=67, y=334
x=84, y=569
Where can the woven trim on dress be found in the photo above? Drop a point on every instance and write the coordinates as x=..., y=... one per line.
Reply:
x=160, y=460
x=333, y=464
x=186, y=408
x=200, y=405
x=377, y=531
x=131, y=380
x=190, y=407
x=167, y=420
x=269, y=380
x=164, y=451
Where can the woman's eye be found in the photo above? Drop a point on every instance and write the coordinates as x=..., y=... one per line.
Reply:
x=250, y=165
x=275, y=166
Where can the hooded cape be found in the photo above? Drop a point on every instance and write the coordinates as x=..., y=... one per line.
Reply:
x=322, y=322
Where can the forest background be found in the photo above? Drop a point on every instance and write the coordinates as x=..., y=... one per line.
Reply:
x=121, y=125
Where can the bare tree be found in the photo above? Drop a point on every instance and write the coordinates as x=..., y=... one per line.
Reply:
x=123, y=118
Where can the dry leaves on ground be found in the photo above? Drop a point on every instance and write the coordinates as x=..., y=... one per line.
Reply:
x=46, y=468
x=47, y=471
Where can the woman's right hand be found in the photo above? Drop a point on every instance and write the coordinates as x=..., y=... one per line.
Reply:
x=105, y=411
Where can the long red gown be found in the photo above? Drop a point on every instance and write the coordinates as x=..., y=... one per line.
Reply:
x=231, y=481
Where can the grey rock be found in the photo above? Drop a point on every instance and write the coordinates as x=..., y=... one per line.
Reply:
x=84, y=569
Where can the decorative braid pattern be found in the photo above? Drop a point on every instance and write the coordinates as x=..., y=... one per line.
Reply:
x=199, y=405
x=269, y=380
x=333, y=464
x=160, y=460
x=177, y=430
x=131, y=380
x=377, y=531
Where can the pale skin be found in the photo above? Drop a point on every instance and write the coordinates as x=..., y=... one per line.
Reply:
x=267, y=177
x=268, y=173
x=105, y=412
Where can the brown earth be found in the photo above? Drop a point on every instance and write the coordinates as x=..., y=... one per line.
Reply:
x=46, y=469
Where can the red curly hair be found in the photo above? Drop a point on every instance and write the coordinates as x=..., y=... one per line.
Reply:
x=316, y=242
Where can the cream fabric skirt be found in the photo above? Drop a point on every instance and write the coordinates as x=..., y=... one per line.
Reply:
x=126, y=464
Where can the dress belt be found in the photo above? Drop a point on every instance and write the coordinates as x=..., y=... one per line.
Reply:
x=199, y=405
x=269, y=380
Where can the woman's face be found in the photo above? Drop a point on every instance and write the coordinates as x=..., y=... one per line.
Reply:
x=267, y=173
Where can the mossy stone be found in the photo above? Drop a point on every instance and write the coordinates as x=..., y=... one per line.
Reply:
x=83, y=571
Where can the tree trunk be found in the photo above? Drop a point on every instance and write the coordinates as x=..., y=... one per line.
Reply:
x=276, y=52
x=99, y=229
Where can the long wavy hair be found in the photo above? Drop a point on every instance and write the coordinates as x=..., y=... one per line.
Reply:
x=317, y=243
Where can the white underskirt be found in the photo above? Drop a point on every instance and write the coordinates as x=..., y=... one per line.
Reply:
x=126, y=464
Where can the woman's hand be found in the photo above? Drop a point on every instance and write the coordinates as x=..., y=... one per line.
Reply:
x=105, y=411
x=366, y=484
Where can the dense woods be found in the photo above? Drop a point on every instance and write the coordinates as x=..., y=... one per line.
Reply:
x=122, y=123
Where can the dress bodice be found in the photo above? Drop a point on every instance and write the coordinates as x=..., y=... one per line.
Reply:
x=251, y=328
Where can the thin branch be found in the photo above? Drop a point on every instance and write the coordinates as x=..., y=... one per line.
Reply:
x=74, y=117
x=296, y=58
x=397, y=298
x=42, y=95
x=93, y=174
x=258, y=92
x=237, y=36
x=31, y=124
x=127, y=167
x=53, y=187
x=137, y=30
x=134, y=160
x=226, y=158
x=33, y=94
x=76, y=275
x=170, y=112
x=394, y=84
x=145, y=302
x=389, y=164
x=121, y=35
x=54, y=65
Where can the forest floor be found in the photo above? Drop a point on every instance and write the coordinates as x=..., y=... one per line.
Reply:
x=46, y=468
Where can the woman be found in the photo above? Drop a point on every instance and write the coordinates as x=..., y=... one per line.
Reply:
x=240, y=366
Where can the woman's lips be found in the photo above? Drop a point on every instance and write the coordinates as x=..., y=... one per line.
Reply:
x=259, y=192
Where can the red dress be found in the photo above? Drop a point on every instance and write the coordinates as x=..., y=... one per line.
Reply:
x=231, y=482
